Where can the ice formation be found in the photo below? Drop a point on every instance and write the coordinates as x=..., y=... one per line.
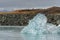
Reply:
x=39, y=25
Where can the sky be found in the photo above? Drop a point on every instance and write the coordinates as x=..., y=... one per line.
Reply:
x=28, y=3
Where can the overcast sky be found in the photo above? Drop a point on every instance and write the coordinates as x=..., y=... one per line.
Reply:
x=28, y=3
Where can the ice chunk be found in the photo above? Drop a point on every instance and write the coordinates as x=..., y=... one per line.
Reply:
x=51, y=28
x=39, y=25
x=39, y=29
x=36, y=25
x=58, y=29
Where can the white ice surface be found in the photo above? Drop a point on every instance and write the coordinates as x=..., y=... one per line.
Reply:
x=39, y=29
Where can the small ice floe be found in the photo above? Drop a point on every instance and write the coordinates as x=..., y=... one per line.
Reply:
x=58, y=25
x=51, y=28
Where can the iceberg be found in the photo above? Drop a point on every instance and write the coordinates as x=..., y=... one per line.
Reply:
x=39, y=25
x=36, y=25
x=39, y=29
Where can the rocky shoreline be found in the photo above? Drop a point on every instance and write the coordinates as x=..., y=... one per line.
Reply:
x=15, y=19
x=22, y=17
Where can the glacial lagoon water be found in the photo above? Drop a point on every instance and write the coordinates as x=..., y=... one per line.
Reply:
x=37, y=29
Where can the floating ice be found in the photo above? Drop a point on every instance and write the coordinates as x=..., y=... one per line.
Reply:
x=39, y=25
x=36, y=25
x=39, y=29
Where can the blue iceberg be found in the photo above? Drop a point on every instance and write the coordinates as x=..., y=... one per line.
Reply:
x=39, y=25
x=36, y=25
x=39, y=29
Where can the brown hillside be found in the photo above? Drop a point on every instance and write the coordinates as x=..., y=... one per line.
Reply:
x=52, y=10
x=21, y=17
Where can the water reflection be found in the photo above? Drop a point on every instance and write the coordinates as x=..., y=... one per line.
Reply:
x=13, y=35
x=41, y=37
x=33, y=37
x=10, y=35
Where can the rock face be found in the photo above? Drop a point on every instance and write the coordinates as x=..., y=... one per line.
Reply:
x=15, y=19
x=54, y=19
x=53, y=15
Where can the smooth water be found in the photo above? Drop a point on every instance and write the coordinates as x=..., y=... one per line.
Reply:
x=10, y=35
x=37, y=29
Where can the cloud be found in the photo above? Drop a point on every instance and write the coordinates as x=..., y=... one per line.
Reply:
x=28, y=3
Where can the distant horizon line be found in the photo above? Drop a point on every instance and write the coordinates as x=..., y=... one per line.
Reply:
x=17, y=8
